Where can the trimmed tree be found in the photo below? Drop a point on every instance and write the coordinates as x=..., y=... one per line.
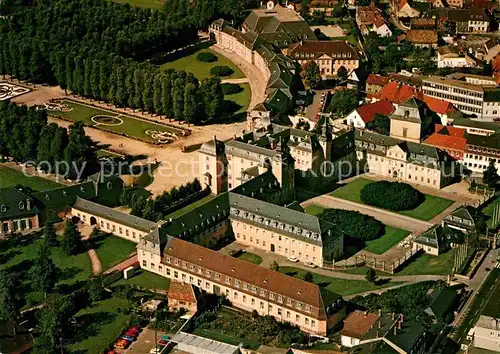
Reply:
x=308, y=277
x=355, y=224
x=221, y=70
x=490, y=175
x=49, y=235
x=395, y=196
x=371, y=275
x=310, y=74
x=72, y=239
x=206, y=57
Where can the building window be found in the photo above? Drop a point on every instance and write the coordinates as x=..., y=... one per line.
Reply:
x=253, y=301
x=144, y=264
x=176, y=274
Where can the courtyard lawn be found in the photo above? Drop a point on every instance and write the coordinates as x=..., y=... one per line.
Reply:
x=201, y=70
x=99, y=326
x=130, y=126
x=242, y=99
x=10, y=177
x=314, y=209
x=342, y=287
x=147, y=4
x=17, y=255
x=112, y=250
x=147, y=280
x=431, y=207
x=391, y=238
x=488, y=210
x=250, y=257
x=426, y=264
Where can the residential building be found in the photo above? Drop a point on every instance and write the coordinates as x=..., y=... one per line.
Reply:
x=404, y=9
x=487, y=328
x=403, y=160
x=182, y=296
x=375, y=83
x=443, y=301
x=396, y=93
x=453, y=140
x=473, y=126
x=18, y=212
x=446, y=58
x=423, y=23
x=370, y=19
x=326, y=6
x=329, y=55
x=284, y=231
x=367, y=333
x=247, y=286
x=471, y=20
x=363, y=115
x=443, y=109
x=107, y=219
x=463, y=219
x=422, y=38
x=438, y=239
x=480, y=150
x=483, y=101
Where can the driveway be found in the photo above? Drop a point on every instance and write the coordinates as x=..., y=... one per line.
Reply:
x=145, y=342
x=387, y=217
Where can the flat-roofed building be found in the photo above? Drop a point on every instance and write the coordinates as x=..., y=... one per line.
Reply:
x=487, y=328
x=190, y=343
x=247, y=286
x=476, y=127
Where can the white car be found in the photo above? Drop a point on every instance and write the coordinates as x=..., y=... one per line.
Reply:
x=310, y=264
x=293, y=259
x=155, y=351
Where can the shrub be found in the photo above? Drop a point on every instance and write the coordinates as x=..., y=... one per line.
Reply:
x=206, y=57
x=355, y=224
x=221, y=71
x=392, y=195
x=231, y=89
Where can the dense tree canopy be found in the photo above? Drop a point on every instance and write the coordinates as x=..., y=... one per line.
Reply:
x=355, y=224
x=343, y=102
x=392, y=195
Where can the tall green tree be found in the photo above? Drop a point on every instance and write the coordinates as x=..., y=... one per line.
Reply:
x=49, y=235
x=72, y=239
x=157, y=104
x=44, y=272
x=9, y=299
x=191, y=103
x=310, y=74
x=166, y=95
x=490, y=175
x=53, y=324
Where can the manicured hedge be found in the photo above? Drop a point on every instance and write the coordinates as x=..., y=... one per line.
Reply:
x=395, y=196
x=355, y=224
x=206, y=57
x=231, y=89
x=221, y=70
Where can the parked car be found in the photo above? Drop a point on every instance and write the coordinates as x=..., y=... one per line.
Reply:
x=131, y=334
x=122, y=343
x=310, y=264
x=293, y=259
x=124, y=336
x=156, y=350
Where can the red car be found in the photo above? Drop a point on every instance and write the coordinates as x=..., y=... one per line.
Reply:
x=130, y=333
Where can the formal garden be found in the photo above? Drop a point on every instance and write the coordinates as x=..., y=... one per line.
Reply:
x=362, y=231
x=392, y=196
x=342, y=287
x=10, y=177
x=121, y=124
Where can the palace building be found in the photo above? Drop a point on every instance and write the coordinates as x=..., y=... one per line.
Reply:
x=245, y=285
x=18, y=212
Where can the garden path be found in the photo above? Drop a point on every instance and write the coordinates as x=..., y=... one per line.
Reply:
x=86, y=232
x=235, y=81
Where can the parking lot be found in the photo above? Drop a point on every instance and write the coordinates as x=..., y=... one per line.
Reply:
x=145, y=342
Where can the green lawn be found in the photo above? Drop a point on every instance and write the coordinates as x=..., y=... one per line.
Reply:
x=201, y=70
x=147, y=4
x=17, y=255
x=10, y=177
x=100, y=325
x=130, y=126
x=106, y=153
x=488, y=210
x=147, y=279
x=431, y=207
x=340, y=286
x=250, y=257
x=112, y=250
x=242, y=98
x=391, y=238
x=190, y=207
x=427, y=264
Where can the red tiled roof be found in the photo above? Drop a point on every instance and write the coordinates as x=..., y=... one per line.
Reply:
x=495, y=63
x=367, y=112
x=396, y=93
x=358, y=324
x=378, y=80
x=246, y=272
x=422, y=36
x=438, y=105
x=446, y=141
x=449, y=130
x=181, y=291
